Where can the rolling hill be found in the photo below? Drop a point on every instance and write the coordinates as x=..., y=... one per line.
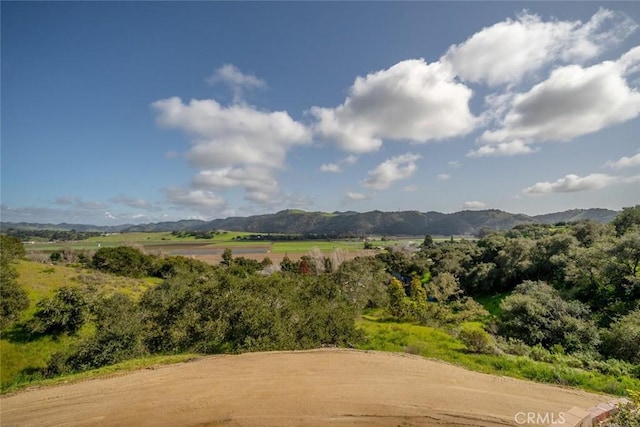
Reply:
x=402, y=223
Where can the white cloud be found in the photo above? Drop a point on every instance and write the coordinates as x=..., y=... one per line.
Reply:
x=335, y=167
x=455, y=164
x=233, y=147
x=238, y=134
x=199, y=200
x=350, y=159
x=506, y=52
x=624, y=162
x=238, y=81
x=573, y=183
x=132, y=202
x=573, y=101
x=110, y=216
x=412, y=101
x=330, y=167
x=443, y=177
x=474, y=205
x=512, y=148
x=410, y=188
x=391, y=170
x=259, y=183
x=351, y=195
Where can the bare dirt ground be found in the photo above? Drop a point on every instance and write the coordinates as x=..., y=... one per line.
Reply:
x=310, y=388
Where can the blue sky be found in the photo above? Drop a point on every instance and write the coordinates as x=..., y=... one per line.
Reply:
x=130, y=112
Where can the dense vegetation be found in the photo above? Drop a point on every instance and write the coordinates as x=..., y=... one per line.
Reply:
x=566, y=294
x=25, y=235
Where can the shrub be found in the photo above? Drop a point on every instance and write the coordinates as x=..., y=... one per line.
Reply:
x=627, y=415
x=13, y=299
x=622, y=340
x=536, y=314
x=66, y=312
x=476, y=339
x=119, y=336
x=123, y=261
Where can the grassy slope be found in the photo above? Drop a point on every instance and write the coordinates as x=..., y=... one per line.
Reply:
x=437, y=344
x=22, y=355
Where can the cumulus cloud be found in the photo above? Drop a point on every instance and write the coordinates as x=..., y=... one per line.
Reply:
x=330, y=167
x=443, y=177
x=511, y=148
x=474, y=205
x=230, y=75
x=233, y=147
x=391, y=170
x=259, y=183
x=573, y=101
x=506, y=52
x=412, y=101
x=335, y=167
x=198, y=200
x=624, y=162
x=574, y=183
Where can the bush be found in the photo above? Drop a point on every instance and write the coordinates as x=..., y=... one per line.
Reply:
x=13, y=299
x=123, y=261
x=119, y=336
x=627, y=415
x=65, y=312
x=622, y=340
x=536, y=314
x=476, y=339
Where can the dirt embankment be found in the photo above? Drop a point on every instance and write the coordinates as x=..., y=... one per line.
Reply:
x=311, y=388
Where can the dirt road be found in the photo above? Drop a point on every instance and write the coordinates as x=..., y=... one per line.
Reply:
x=316, y=388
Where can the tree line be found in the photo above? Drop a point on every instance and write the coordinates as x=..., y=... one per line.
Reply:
x=566, y=289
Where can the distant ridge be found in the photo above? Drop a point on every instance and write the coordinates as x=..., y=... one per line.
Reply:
x=403, y=223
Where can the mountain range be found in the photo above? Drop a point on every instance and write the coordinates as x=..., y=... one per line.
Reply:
x=403, y=223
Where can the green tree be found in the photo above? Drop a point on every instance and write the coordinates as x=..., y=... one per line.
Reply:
x=119, y=336
x=10, y=249
x=397, y=303
x=227, y=257
x=123, y=261
x=65, y=312
x=13, y=298
x=536, y=314
x=362, y=281
x=622, y=339
x=627, y=219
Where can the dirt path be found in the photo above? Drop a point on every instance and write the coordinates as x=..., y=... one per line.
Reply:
x=316, y=388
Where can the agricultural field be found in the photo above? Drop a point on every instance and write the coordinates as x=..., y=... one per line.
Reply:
x=167, y=243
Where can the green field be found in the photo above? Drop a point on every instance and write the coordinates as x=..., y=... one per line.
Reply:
x=162, y=242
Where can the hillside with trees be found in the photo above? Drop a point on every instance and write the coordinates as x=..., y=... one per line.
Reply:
x=341, y=224
x=554, y=303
